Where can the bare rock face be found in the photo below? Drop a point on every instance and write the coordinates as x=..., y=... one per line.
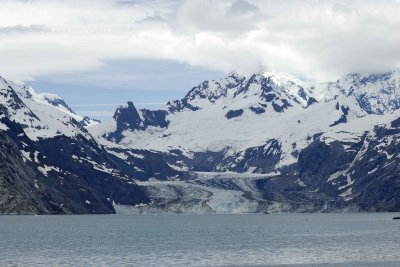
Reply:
x=128, y=118
x=19, y=192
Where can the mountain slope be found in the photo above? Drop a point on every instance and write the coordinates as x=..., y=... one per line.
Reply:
x=19, y=192
x=263, y=143
x=75, y=173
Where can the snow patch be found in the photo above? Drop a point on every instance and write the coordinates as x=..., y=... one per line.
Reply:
x=46, y=169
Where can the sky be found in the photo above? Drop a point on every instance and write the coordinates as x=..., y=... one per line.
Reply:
x=97, y=54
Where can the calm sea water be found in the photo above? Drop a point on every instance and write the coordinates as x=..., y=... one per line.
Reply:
x=201, y=240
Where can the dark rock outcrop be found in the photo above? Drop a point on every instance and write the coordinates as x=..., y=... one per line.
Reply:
x=234, y=113
x=129, y=118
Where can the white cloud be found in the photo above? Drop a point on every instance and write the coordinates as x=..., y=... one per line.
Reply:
x=240, y=7
x=310, y=38
x=22, y=29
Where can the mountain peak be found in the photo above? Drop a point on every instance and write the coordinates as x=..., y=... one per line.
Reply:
x=123, y=110
x=127, y=117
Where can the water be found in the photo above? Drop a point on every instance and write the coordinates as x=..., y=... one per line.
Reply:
x=201, y=240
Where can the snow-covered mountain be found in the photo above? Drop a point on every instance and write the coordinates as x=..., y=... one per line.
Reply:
x=238, y=115
x=51, y=163
x=29, y=94
x=266, y=142
x=252, y=130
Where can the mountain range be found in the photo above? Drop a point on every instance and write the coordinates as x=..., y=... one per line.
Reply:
x=261, y=143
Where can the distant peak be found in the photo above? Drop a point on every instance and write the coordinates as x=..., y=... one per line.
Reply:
x=234, y=74
x=130, y=104
x=126, y=110
x=282, y=78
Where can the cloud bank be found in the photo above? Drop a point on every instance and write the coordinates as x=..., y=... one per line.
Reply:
x=310, y=38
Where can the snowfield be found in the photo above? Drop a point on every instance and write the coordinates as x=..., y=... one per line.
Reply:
x=208, y=129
